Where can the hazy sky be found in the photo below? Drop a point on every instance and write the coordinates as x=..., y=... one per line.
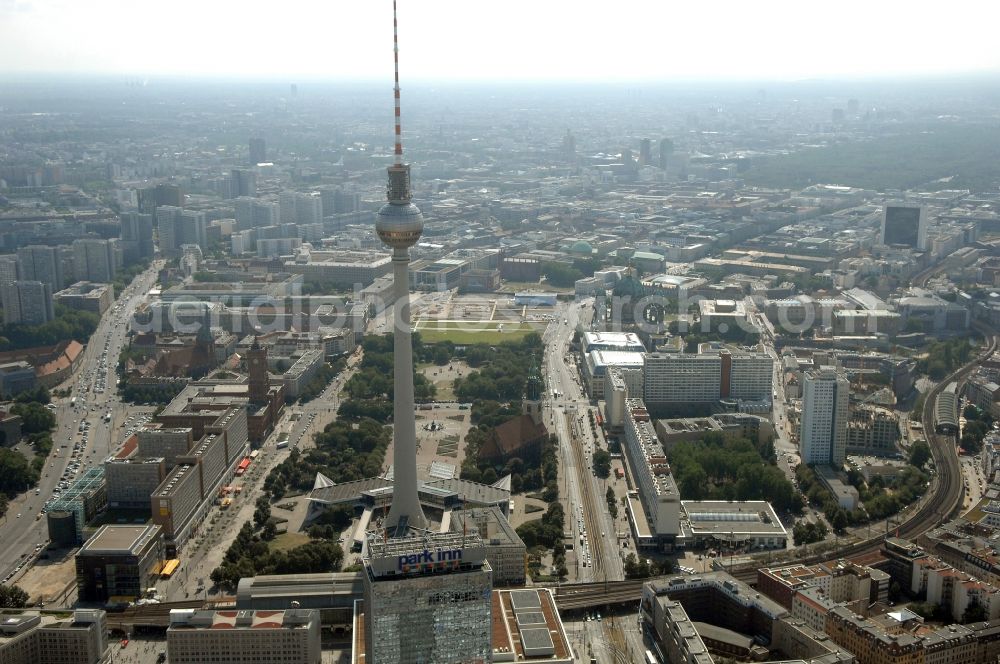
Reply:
x=501, y=39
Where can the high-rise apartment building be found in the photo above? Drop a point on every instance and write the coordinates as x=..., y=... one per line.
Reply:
x=255, y=213
x=8, y=269
x=178, y=227
x=826, y=394
x=258, y=151
x=95, y=260
x=27, y=303
x=41, y=263
x=136, y=236
x=308, y=209
x=301, y=208
x=243, y=182
x=905, y=224
x=337, y=200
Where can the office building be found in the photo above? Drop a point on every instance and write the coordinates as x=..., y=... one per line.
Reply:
x=505, y=551
x=427, y=599
x=244, y=637
x=40, y=263
x=16, y=377
x=95, y=260
x=27, y=303
x=32, y=637
x=162, y=194
x=747, y=524
x=826, y=394
x=658, y=493
x=905, y=224
x=136, y=237
x=527, y=628
x=258, y=151
x=132, y=480
x=598, y=362
x=76, y=507
x=119, y=562
x=715, y=373
x=86, y=296
x=174, y=504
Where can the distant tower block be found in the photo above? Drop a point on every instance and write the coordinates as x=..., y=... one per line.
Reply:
x=645, y=152
x=399, y=225
x=258, y=151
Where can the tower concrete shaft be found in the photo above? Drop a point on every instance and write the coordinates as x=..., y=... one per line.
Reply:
x=406, y=511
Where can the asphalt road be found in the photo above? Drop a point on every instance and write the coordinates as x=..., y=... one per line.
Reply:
x=582, y=491
x=19, y=536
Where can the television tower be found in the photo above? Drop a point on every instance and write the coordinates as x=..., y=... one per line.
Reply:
x=399, y=225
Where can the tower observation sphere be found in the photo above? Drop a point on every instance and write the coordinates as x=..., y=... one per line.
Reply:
x=399, y=222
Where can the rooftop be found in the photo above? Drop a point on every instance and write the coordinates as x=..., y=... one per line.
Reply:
x=118, y=539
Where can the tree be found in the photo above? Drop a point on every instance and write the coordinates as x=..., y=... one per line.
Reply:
x=974, y=612
x=262, y=513
x=13, y=597
x=920, y=454
x=839, y=521
x=602, y=463
x=269, y=531
x=612, y=502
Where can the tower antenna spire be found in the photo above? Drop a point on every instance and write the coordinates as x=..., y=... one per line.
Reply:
x=398, y=159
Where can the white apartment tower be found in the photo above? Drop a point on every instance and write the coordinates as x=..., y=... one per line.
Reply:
x=823, y=431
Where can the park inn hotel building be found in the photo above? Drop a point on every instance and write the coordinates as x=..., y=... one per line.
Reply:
x=427, y=598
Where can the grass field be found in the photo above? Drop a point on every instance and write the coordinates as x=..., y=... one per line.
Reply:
x=287, y=541
x=472, y=332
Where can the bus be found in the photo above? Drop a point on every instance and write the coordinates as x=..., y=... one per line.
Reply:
x=282, y=444
x=169, y=567
x=651, y=658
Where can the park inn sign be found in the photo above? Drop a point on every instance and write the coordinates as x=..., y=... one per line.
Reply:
x=426, y=558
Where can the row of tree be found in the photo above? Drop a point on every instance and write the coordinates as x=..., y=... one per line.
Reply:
x=68, y=324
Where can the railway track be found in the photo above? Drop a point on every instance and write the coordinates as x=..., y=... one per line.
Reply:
x=946, y=497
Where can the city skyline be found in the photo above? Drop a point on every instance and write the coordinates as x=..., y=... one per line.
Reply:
x=783, y=41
